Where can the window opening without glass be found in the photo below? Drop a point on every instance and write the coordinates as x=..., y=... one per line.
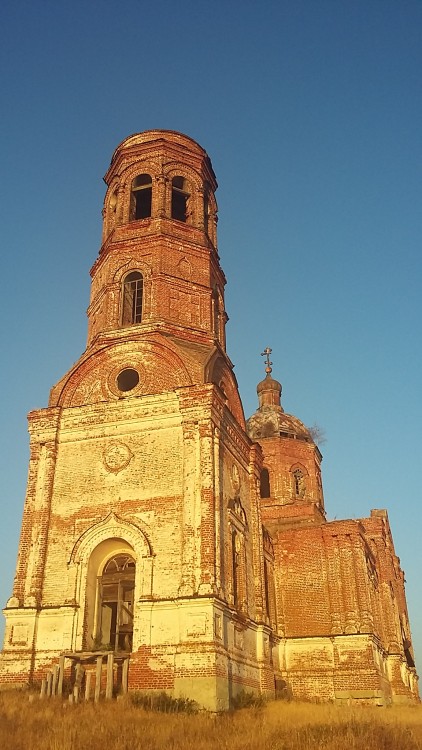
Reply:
x=133, y=289
x=141, y=197
x=265, y=483
x=180, y=196
x=127, y=379
x=299, y=485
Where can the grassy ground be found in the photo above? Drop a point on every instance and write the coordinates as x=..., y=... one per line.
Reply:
x=55, y=725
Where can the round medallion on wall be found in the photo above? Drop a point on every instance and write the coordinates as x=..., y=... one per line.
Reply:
x=116, y=456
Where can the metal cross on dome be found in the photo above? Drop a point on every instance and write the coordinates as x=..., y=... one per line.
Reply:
x=266, y=353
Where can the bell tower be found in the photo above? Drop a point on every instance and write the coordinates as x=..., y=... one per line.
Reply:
x=142, y=532
x=157, y=293
x=160, y=217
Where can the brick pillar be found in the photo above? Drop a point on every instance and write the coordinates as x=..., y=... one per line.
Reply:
x=189, y=560
x=255, y=465
x=199, y=209
x=27, y=525
x=219, y=516
x=363, y=582
x=334, y=586
x=348, y=585
x=45, y=480
x=207, y=524
x=159, y=209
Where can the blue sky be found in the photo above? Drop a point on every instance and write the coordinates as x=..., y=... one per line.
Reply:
x=311, y=112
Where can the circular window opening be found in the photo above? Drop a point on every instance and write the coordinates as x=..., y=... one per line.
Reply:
x=127, y=379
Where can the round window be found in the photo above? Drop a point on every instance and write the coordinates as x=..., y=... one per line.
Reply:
x=127, y=379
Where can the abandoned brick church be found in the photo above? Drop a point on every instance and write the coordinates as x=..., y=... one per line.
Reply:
x=163, y=530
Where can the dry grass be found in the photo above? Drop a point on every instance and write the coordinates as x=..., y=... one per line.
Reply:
x=55, y=725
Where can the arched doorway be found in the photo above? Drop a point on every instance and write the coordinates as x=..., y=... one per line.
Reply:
x=116, y=589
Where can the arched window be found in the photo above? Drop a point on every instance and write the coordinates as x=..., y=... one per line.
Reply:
x=216, y=313
x=269, y=581
x=236, y=566
x=116, y=589
x=206, y=211
x=299, y=484
x=265, y=483
x=133, y=287
x=267, y=588
x=180, y=199
x=237, y=560
x=223, y=389
x=141, y=197
x=113, y=202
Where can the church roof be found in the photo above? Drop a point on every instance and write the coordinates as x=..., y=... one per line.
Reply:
x=270, y=419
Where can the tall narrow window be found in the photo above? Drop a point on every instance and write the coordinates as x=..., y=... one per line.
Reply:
x=269, y=592
x=215, y=312
x=235, y=567
x=206, y=212
x=113, y=202
x=141, y=197
x=237, y=562
x=266, y=588
x=180, y=199
x=265, y=483
x=133, y=287
x=299, y=485
x=269, y=582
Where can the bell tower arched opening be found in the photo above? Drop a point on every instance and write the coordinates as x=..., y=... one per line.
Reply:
x=141, y=197
x=180, y=199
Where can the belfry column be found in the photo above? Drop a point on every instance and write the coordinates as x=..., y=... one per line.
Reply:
x=161, y=197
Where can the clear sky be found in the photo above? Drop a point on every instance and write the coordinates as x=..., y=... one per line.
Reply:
x=311, y=112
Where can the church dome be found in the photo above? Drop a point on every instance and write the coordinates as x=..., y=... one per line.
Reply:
x=270, y=419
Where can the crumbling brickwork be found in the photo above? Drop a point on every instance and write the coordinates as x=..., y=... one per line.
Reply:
x=157, y=523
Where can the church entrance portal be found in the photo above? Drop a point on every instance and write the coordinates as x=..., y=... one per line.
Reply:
x=116, y=588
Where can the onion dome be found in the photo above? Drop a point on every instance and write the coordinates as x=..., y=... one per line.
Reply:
x=270, y=419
